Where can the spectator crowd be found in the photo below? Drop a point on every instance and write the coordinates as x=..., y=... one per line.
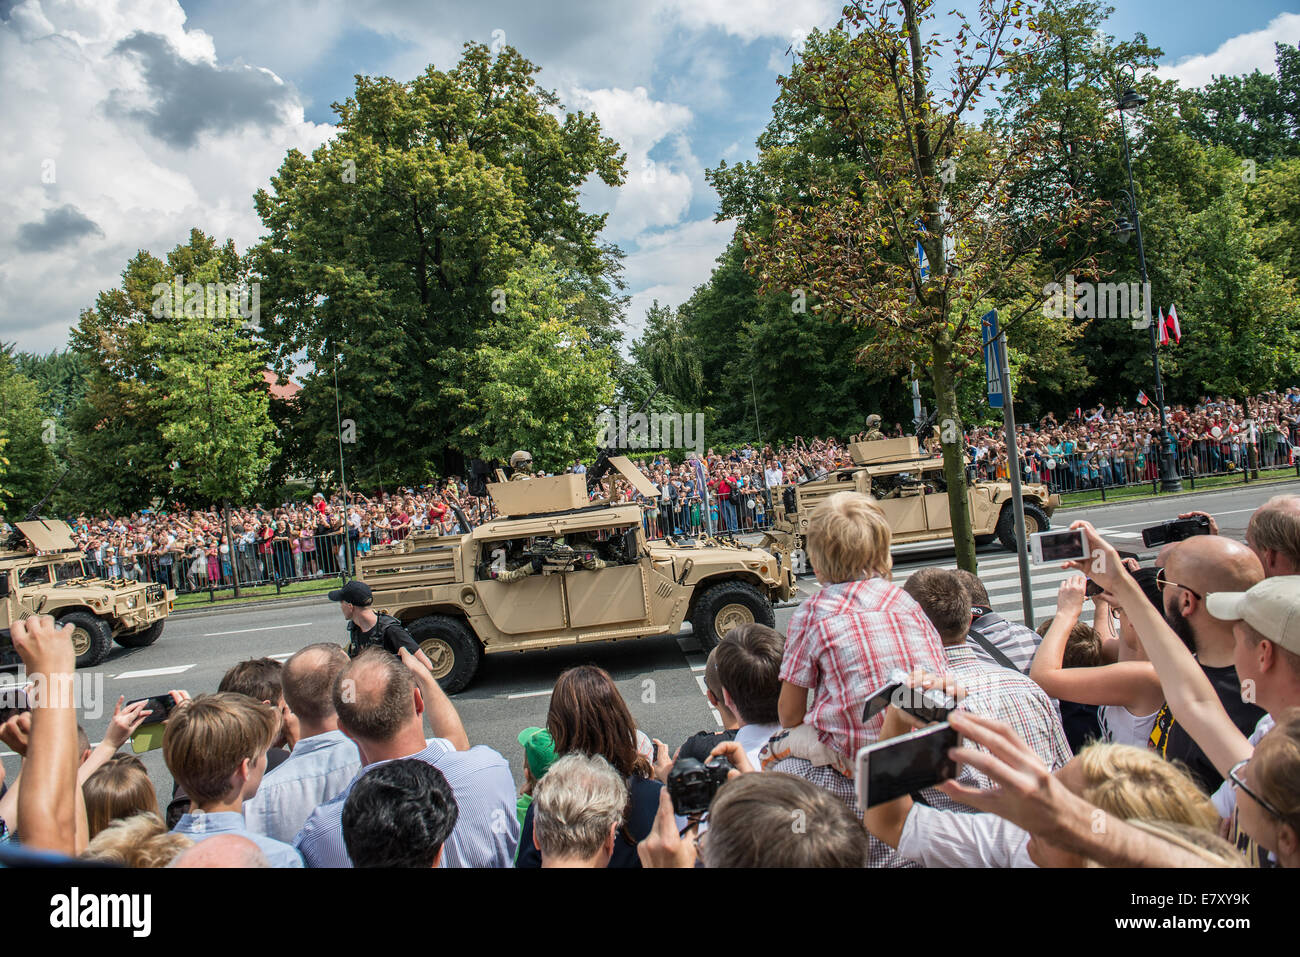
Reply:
x=1165, y=731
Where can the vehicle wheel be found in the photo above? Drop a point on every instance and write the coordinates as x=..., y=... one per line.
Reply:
x=726, y=605
x=141, y=639
x=454, y=651
x=982, y=540
x=92, y=639
x=1036, y=520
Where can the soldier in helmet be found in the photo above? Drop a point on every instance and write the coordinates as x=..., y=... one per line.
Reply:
x=521, y=466
x=873, y=429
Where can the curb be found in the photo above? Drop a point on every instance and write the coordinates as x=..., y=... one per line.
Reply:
x=1147, y=499
x=201, y=611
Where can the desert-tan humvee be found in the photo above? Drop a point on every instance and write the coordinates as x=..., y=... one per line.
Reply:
x=441, y=587
x=42, y=572
x=910, y=488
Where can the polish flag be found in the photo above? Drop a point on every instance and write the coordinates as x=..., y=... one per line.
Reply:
x=1173, y=327
x=1142, y=398
x=1164, y=329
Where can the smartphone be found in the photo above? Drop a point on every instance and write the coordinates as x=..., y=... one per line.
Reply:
x=149, y=736
x=902, y=765
x=1064, y=546
x=926, y=704
x=1092, y=589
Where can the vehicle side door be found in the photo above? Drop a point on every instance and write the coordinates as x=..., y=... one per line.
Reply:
x=613, y=596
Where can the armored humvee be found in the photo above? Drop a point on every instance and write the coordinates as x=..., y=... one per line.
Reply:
x=909, y=486
x=42, y=572
x=443, y=590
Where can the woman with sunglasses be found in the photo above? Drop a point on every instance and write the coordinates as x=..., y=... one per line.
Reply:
x=1270, y=781
x=1127, y=691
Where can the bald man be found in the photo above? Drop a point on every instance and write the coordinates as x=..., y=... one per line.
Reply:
x=223, y=850
x=381, y=703
x=1274, y=535
x=324, y=760
x=1194, y=568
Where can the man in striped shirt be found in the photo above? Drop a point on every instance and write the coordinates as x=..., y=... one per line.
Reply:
x=381, y=702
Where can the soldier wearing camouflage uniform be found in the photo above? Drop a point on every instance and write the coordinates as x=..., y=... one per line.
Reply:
x=873, y=432
x=521, y=466
x=585, y=557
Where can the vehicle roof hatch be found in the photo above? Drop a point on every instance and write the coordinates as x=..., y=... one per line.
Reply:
x=47, y=536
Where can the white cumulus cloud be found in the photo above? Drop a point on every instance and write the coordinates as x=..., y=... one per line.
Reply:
x=1243, y=53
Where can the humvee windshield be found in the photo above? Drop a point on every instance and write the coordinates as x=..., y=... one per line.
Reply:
x=66, y=571
x=35, y=575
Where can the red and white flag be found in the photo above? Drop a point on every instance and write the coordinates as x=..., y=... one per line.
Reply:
x=1142, y=398
x=1164, y=329
x=1172, y=324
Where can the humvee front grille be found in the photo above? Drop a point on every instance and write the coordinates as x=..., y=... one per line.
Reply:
x=153, y=593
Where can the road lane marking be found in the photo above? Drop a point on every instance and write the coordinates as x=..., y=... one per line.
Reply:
x=244, y=631
x=528, y=694
x=153, y=672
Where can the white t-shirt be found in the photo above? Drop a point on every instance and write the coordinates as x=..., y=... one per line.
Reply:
x=935, y=838
x=1121, y=726
x=1225, y=799
x=752, y=737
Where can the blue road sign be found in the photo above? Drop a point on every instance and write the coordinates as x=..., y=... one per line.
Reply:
x=993, y=358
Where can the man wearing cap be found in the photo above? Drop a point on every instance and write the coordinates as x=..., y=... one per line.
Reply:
x=367, y=627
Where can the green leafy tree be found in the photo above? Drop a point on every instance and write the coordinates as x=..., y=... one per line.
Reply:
x=28, y=434
x=1257, y=115
x=924, y=177
x=392, y=244
x=533, y=379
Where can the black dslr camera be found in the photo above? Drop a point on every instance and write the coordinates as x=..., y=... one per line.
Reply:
x=1175, y=530
x=692, y=784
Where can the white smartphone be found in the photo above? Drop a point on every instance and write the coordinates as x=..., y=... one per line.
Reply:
x=890, y=769
x=1056, y=547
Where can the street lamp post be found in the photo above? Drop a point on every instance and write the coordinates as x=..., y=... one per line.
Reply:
x=343, y=482
x=1169, y=480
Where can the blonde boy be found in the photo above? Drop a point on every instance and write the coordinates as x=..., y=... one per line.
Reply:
x=847, y=638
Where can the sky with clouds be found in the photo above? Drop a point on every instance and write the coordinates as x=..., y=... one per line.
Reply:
x=127, y=122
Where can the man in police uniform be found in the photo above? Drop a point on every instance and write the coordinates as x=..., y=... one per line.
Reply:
x=366, y=627
x=521, y=466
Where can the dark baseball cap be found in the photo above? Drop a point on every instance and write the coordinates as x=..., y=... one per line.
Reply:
x=354, y=593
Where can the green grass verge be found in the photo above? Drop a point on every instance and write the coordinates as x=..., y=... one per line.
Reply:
x=257, y=593
x=1132, y=492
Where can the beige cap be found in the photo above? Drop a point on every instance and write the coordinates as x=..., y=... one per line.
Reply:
x=1272, y=608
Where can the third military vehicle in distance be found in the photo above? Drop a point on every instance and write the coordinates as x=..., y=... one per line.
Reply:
x=557, y=568
x=909, y=486
x=42, y=572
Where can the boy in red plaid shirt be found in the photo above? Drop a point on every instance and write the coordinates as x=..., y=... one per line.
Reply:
x=847, y=638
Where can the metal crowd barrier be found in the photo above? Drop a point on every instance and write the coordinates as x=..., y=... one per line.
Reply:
x=744, y=510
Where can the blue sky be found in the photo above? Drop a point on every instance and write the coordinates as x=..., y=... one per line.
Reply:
x=128, y=121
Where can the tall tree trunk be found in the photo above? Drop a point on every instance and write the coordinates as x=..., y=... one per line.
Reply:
x=954, y=466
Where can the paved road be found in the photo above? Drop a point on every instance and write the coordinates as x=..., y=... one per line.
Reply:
x=661, y=678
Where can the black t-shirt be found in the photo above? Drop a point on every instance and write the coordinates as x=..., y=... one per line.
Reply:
x=388, y=632
x=640, y=821
x=1172, y=740
x=699, y=744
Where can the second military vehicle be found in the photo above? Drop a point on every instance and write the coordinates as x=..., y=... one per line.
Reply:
x=577, y=570
x=909, y=486
x=42, y=572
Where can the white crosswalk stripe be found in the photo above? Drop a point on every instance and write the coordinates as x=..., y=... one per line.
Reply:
x=1001, y=577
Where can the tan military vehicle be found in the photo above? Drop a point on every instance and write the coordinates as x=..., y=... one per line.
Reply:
x=598, y=578
x=910, y=488
x=42, y=572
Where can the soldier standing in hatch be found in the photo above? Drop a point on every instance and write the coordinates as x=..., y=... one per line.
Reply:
x=521, y=466
x=873, y=432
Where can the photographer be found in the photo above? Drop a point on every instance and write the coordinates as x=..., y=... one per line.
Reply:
x=1273, y=534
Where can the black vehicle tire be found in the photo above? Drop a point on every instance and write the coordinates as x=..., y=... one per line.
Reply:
x=724, y=606
x=454, y=650
x=1036, y=520
x=982, y=540
x=143, y=638
x=92, y=638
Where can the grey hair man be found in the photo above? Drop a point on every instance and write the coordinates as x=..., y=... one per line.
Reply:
x=578, y=809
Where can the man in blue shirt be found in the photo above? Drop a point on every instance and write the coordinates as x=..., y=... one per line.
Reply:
x=380, y=703
x=324, y=760
x=215, y=747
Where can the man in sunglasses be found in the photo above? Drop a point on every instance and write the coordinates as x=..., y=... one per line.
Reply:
x=1193, y=569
